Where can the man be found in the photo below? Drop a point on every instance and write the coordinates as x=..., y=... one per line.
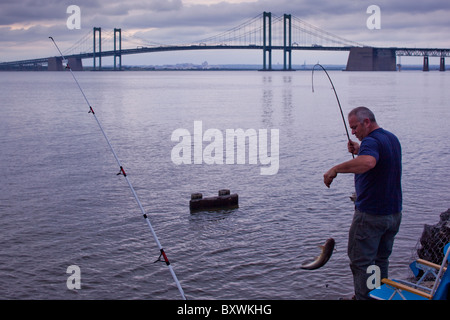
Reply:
x=378, y=203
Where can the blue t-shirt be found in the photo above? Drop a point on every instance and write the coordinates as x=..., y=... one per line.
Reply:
x=379, y=191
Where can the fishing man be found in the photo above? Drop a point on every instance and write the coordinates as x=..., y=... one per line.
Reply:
x=378, y=204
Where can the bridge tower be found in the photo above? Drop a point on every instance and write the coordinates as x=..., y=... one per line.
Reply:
x=287, y=42
x=442, y=65
x=99, y=30
x=267, y=40
x=118, y=53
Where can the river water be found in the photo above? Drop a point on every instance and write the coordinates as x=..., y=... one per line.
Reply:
x=62, y=204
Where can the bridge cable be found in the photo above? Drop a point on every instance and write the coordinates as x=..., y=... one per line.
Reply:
x=122, y=172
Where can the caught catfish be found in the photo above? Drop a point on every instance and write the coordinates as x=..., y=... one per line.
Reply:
x=327, y=250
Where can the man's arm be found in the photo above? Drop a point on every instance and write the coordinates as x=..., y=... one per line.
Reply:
x=358, y=165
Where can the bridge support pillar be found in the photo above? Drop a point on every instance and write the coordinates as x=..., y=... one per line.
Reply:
x=371, y=59
x=55, y=64
x=287, y=42
x=75, y=64
x=425, y=64
x=442, y=65
x=267, y=40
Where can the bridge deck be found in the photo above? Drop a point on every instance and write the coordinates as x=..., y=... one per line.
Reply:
x=431, y=52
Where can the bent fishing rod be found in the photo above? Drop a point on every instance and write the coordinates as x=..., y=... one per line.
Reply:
x=335, y=93
x=122, y=172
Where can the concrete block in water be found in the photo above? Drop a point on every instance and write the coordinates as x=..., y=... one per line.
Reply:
x=223, y=200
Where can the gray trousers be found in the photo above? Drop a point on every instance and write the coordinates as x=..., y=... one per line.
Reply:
x=370, y=242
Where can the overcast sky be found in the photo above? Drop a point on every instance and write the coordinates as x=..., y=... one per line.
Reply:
x=26, y=24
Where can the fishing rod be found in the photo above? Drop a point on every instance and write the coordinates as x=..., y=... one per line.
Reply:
x=122, y=172
x=337, y=98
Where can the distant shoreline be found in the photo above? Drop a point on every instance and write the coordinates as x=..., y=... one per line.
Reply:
x=225, y=67
x=192, y=67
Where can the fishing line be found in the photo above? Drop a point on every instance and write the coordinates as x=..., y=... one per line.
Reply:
x=323, y=258
x=122, y=172
x=335, y=93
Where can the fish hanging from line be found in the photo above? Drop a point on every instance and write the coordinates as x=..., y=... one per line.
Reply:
x=327, y=251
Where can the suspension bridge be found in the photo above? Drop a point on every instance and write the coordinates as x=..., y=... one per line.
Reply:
x=266, y=32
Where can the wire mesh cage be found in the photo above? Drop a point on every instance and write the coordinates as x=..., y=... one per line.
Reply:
x=431, y=244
